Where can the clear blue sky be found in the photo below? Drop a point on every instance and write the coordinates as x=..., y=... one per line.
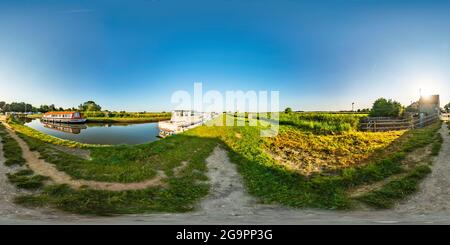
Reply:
x=131, y=55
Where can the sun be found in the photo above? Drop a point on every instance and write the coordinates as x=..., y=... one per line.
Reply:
x=427, y=84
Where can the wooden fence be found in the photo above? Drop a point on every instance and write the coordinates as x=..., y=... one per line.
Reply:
x=381, y=124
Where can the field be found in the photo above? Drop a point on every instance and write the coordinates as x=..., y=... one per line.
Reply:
x=316, y=160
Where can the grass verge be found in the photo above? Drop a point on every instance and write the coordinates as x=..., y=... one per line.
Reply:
x=125, y=120
x=26, y=180
x=11, y=149
x=180, y=195
x=396, y=190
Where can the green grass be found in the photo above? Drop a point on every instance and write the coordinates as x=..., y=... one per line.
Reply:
x=26, y=180
x=264, y=177
x=422, y=137
x=273, y=183
x=118, y=115
x=126, y=163
x=11, y=149
x=322, y=123
x=396, y=190
x=125, y=119
x=180, y=195
x=437, y=145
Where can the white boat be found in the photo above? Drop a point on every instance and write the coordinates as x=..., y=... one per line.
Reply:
x=183, y=120
x=63, y=117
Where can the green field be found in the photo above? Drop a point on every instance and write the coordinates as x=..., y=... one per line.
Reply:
x=314, y=161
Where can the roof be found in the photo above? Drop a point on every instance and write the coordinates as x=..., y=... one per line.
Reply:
x=59, y=112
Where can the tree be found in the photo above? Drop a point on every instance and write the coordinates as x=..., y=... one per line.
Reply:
x=386, y=108
x=44, y=108
x=288, y=110
x=18, y=107
x=52, y=107
x=89, y=106
x=2, y=105
x=447, y=107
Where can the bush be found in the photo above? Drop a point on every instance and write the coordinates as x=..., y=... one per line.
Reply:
x=387, y=108
x=288, y=110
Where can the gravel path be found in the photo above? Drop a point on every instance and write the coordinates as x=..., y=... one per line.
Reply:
x=434, y=194
x=229, y=204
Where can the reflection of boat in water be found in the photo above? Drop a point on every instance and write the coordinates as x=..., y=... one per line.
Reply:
x=64, y=127
x=64, y=117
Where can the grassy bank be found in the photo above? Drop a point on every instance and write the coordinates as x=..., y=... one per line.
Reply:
x=273, y=181
x=34, y=116
x=24, y=178
x=266, y=165
x=11, y=149
x=120, y=117
x=125, y=120
x=125, y=164
x=181, y=192
x=322, y=123
x=126, y=117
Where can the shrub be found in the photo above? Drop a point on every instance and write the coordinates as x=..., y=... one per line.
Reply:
x=386, y=108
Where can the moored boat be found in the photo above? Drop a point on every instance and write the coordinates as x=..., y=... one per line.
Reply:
x=63, y=117
x=183, y=120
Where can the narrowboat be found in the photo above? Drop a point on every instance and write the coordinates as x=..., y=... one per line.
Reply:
x=63, y=117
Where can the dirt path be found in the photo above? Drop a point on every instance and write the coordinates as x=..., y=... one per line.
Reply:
x=41, y=167
x=9, y=210
x=227, y=194
x=228, y=203
x=434, y=194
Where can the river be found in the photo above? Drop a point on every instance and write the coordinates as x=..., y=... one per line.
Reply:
x=100, y=133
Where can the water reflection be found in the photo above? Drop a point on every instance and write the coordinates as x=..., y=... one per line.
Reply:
x=64, y=127
x=99, y=133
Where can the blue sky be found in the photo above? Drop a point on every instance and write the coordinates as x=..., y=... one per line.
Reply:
x=132, y=55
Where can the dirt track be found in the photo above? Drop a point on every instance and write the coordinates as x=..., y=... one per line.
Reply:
x=229, y=204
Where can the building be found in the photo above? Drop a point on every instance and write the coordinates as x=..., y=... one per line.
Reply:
x=430, y=105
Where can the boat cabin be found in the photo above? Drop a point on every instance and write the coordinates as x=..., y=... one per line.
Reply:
x=64, y=117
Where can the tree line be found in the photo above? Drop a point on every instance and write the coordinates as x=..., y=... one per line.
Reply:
x=25, y=107
x=389, y=108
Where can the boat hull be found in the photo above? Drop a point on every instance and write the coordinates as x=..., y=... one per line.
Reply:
x=64, y=120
